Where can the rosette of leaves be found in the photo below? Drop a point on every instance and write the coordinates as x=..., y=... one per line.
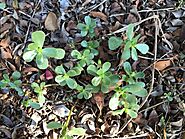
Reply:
x=103, y=78
x=66, y=78
x=86, y=58
x=88, y=27
x=36, y=50
x=130, y=44
x=12, y=82
x=131, y=77
x=91, y=45
x=86, y=92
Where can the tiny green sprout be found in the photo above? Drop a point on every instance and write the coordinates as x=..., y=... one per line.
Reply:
x=64, y=77
x=168, y=96
x=86, y=92
x=12, y=82
x=40, y=91
x=86, y=58
x=91, y=45
x=131, y=77
x=88, y=27
x=35, y=50
x=130, y=44
x=103, y=77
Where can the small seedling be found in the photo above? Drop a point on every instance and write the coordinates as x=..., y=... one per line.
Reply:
x=35, y=50
x=103, y=77
x=168, y=96
x=64, y=77
x=67, y=133
x=91, y=45
x=86, y=92
x=126, y=95
x=88, y=27
x=12, y=82
x=131, y=77
x=2, y=5
x=86, y=58
x=130, y=44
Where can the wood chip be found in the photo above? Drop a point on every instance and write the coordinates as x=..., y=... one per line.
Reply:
x=51, y=22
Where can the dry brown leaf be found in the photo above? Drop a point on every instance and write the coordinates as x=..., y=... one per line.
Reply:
x=30, y=69
x=5, y=42
x=161, y=65
x=99, y=99
x=99, y=15
x=6, y=54
x=51, y=22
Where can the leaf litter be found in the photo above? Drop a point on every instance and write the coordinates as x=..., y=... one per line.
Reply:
x=160, y=117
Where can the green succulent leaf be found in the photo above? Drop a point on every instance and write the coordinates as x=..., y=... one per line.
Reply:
x=34, y=105
x=59, y=78
x=131, y=113
x=84, y=33
x=114, y=101
x=33, y=46
x=76, y=54
x=114, y=43
x=136, y=90
x=42, y=61
x=143, y=48
x=71, y=83
x=77, y=132
x=127, y=68
x=54, y=125
x=106, y=66
x=60, y=53
x=41, y=99
x=38, y=37
x=81, y=26
x=84, y=43
x=134, y=54
x=130, y=31
x=29, y=55
x=125, y=54
x=88, y=20
x=92, y=69
x=16, y=75
x=96, y=81
x=60, y=70
x=49, y=52
x=104, y=88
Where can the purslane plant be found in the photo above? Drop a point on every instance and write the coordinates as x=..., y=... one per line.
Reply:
x=36, y=50
x=64, y=77
x=126, y=95
x=12, y=82
x=88, y=27
x=91, y=45
x=103, y=78
x=85, y=58
x=130, y=45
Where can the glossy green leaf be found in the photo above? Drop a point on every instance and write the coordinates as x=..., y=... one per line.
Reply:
x=34, y=105
x=91, y=69
x=134, y=54
x=33, y=46
x=38, y=37
x=84, y=33
x=84, y=43
x=125, y=54
x=136, y=90
x=49, y=52
x=143, y=48
x=106, y=66
x=29, y=55
x=77, y=132
x=71, y=73
x=81, y=26
x=127, y=68
x=104, y=88
x=114, y=101
x=54, y=125
x=60, y=53
x=16, y=75
x=76, y=54
x=114, y=43
x=131, y=113
x=88, y=20
x=130, y=31
x=60, y=70
x=59, y=78
x=71, y=83
x=41, y=99
x=42, y=61
x=96, y=81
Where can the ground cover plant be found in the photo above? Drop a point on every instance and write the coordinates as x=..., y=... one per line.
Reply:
x=92, y=69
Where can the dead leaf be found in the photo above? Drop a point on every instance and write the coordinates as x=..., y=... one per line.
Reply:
x=28, y=70
x=61, y=111
x=51, y=22
x=161, y=65
x=5, y=42
x=48, y=75
x=5, y=54
x=99, y=100
x=99, y=15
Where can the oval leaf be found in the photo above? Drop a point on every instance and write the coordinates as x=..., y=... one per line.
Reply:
x=71, y=83
x=96, y=81
x=38, y=37
x=54, y=125
x=29, y=55
x=114, y=43
x=143, y=48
